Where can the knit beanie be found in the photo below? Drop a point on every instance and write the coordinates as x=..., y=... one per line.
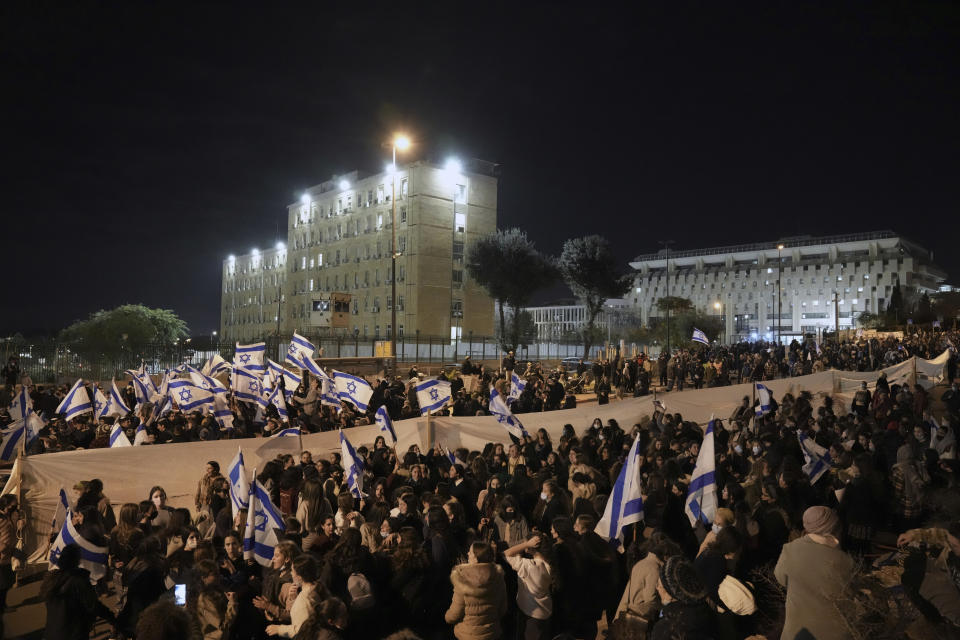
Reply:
x=680, y=580
x=821, y=521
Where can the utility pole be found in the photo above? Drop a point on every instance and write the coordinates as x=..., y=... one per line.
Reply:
x=836, y=315
x=666, y=250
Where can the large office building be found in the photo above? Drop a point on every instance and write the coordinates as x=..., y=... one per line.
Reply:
x=823, y=282
x=333, y=275
x=566, y=319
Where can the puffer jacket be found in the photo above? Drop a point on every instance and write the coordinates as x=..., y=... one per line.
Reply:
x=479, y=601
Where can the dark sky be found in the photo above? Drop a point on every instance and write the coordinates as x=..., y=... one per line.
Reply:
x=145, y=142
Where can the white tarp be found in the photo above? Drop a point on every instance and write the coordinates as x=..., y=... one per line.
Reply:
x=128, y=473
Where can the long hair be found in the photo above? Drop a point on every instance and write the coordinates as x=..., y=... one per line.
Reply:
x=317, y=504
x=127, y=523
x=409, y=553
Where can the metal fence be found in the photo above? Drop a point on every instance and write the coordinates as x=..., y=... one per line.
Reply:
x=55, y=362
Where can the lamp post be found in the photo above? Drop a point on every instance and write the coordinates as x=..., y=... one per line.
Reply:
x=779, y=298
x=402, y=143
x=719, y=307
x=666, y=250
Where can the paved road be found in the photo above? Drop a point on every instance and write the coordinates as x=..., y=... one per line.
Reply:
x=26, y=614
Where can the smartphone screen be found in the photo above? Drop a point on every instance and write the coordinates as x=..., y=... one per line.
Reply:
x=180, y=594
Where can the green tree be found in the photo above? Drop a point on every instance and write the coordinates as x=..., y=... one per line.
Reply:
x=109, y=333
x=591, y=270
x=526, y=329
x=674, y=304
x=924, y=311
x=869, y=320
x=509, y=267
x=896, y=313
x=684, y=318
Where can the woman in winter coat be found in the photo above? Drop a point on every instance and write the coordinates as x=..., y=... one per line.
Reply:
x=479, y=596
x=72, y=604
x=211, y=610
x=640, y=597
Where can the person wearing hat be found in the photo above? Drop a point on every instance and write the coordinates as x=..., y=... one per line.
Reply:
x=685, y=612
x=815, y=573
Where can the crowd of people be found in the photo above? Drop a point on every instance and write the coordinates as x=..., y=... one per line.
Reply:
x=503, y=542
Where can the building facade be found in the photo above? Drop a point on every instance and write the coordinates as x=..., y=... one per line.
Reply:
x=564, y=321
x=823, y=282
x=339, y=239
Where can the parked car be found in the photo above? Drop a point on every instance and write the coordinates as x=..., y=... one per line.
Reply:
x=570, y=364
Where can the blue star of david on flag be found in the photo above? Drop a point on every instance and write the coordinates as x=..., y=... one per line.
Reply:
x=352, y=387
x=261, y=521
x=185, y=395
x=434, y=395
x=99, y=406
x=244, y=358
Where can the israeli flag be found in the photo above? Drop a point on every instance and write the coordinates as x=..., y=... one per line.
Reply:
x=289, y=431
x=504, y=416
x=263, y=521
x=328, y=394
x=239, y=485
x=449, y=454
x=100, y=403
x=352, y=467
x=22, y=405
x=290, y=382
x=386, y=426
x=817, y=458
x=763, y=400
x=700, y=336
x=118, y=438
x=188, y=396
x=13, y=436
x=517, y=385
x=432, y=395
x=215, y=365
x=141, y=435
x=205, y=382
x=701, y=502
x=247, y=386
x=141, y=390
x=353, y=389
x=77, y=402
x=222, y=413
x=625, y=505
x=250, y=356
x=936, y=324
x=115, y=404
x=93, y=558
x=60, y=512
x=276, y=399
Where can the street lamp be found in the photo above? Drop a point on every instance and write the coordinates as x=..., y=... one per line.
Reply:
x=779, y=297
x=402, y=143
x=719, y=307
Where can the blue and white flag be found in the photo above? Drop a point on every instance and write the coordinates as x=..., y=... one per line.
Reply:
x=60, y=512
x=701, y=502
x=328, y=394
x=247, y=386
x=432, y=395
x=239, y=484
x=115, y=407
x=140, y=436
x=449, y=454
x=118, y=438
x=763, y=400
x=504, y=416
x=188, y=396
x=936, y=324
x=22, y=405
x=215, y=365
x=205, y=382
x=817, y=458
x=517, y=385
x=140, y=389
x=222, y=413
x=15, y=433
x=250, y=356
x=93, y=557
x=291, y=381
x=77, y=402
x=353, y=389
x=352, y=467
x=625, y=505
x=100, y=403
x=263, y=521
x=300, y=354
x=383, y=420
x=289, y=431
x=700, y=336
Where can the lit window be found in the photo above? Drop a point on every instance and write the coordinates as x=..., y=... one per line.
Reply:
x=461, y=193
x=319, y=259
x=460, y=222
x=769, y=270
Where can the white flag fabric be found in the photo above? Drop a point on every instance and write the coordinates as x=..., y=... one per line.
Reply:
x=625, y=504
x=100, y=403
x=432, y=395
x=76, y=402
x=239, y=484
x=504, y=416
x=352, y=466
x=22, y=405
x=222, y=413
x=517, y=385
x=118, y=438
x=93, y=557
x=263, y=520
x=289, y=431
x=353, y=389
x=215, y=365
x=140, y=436
x=247, y=386
x=250, y=356
x=205, y=382
x=14, y=434
x=328, y=394
x=700, y=336
x=763, y=397
x=61, y=511
x=383, y=420
x=817, y=458
x=115, y=404
x=701, y=502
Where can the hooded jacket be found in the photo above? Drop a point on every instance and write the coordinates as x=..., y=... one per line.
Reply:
x=479, y=601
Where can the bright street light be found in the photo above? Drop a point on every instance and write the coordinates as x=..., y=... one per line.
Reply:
x=281, y=246
x=453, y=165
x=716, y=305
x=255, y=252
x=779, y=247
x=401, y=142
x=391, y=167
x=344, y=185
x=305, y=198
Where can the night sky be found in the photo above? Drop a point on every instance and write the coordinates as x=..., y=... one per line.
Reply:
x=143, y=144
